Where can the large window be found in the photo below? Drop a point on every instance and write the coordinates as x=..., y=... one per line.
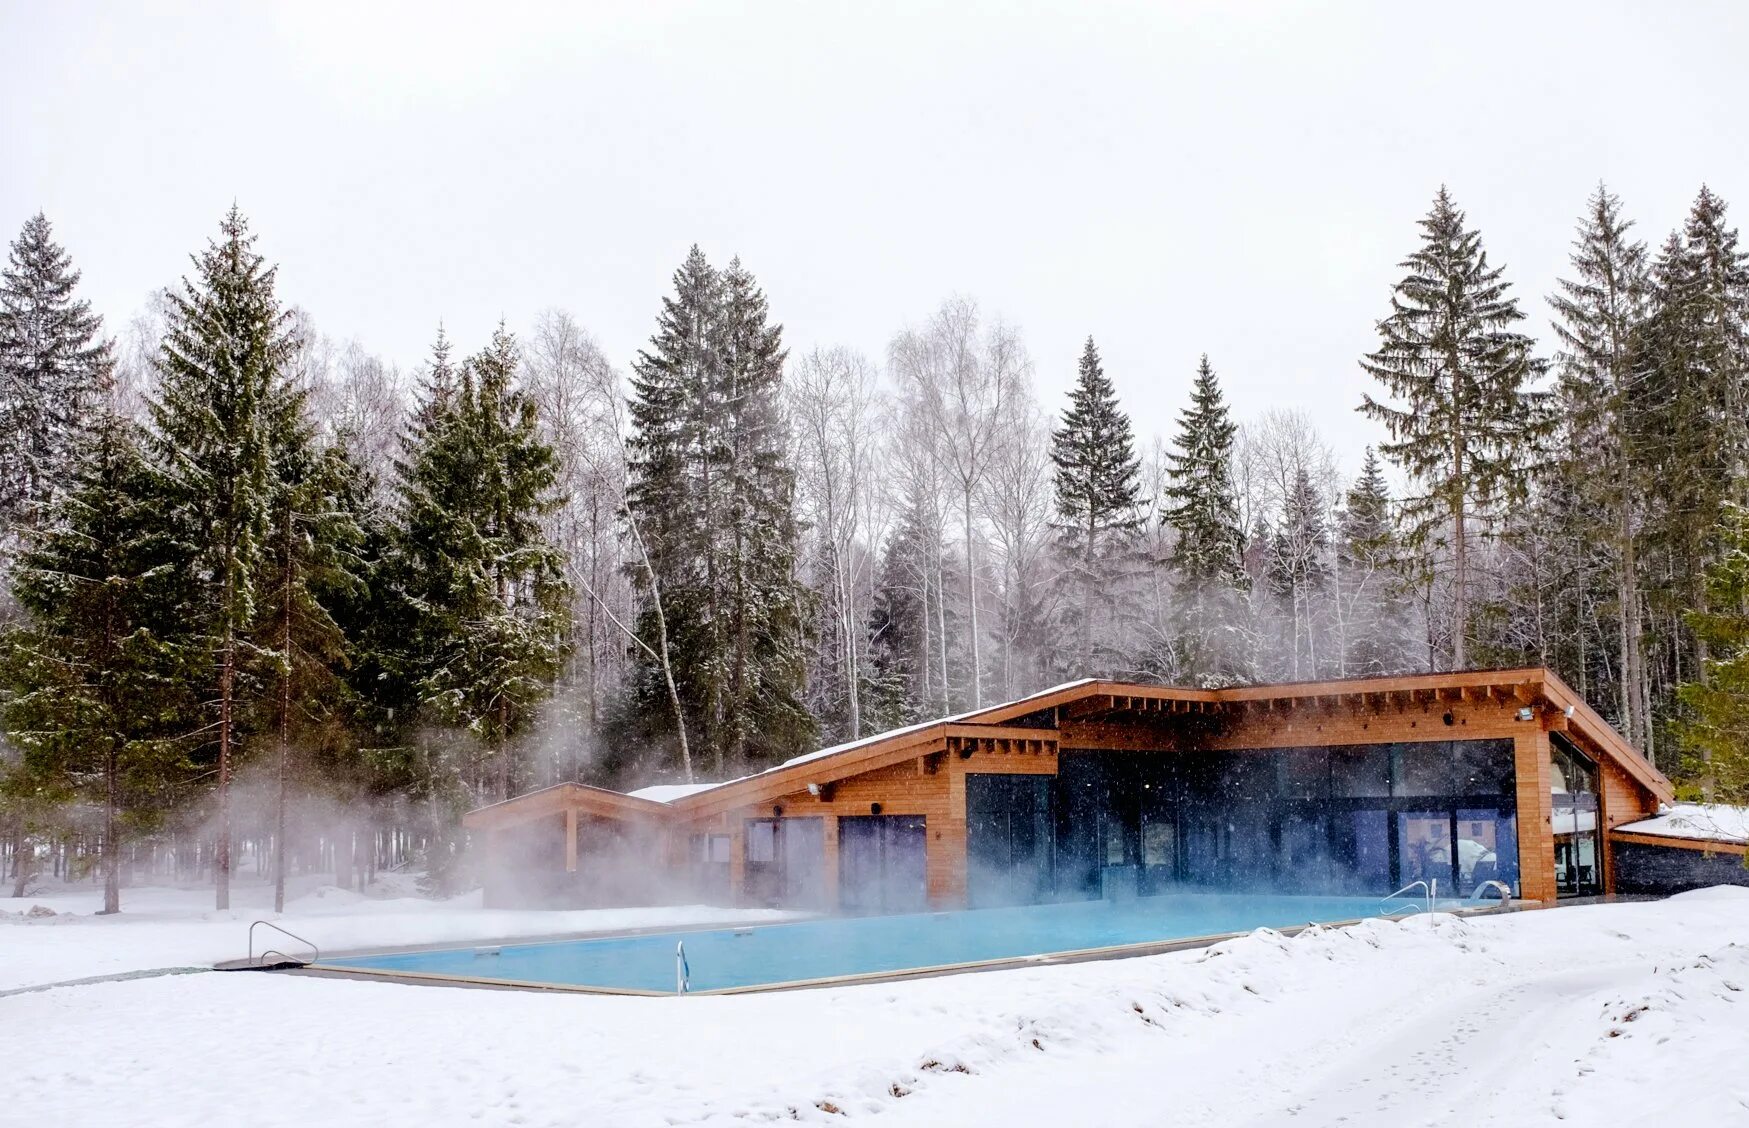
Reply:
x=882, y=863
x=1010, y=840
x=786, y=861
x=1573, y=815
x=1364, y=819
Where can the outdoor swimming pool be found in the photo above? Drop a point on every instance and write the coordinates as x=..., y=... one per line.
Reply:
x=769, y=955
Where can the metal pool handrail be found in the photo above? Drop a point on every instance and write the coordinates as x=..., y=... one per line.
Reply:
x=682, y=972
x=315, y=952
x=1429, y=889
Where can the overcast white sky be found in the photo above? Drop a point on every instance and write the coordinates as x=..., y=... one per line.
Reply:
x=1173, y=179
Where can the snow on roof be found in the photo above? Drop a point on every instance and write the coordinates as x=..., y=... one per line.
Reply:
x=668, y=792
x=1715, y=822
x=921, y=725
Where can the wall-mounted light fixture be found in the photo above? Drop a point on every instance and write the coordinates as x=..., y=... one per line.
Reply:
x=814, y=790
x=777, y=811
x=1527, y=714
x=874, y=808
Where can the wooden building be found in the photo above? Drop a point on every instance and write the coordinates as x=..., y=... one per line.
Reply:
x=1110, y=789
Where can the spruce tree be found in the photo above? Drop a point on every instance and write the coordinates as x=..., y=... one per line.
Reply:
x=898, y=629
x=1298, y=574
x=1599, y=311
x=1206, y=558
x=486, y=586
x=51, y=360
x=98, y=678
x=1465, y=420
x=1098, y=490
x=1369, y=579
x=223, y=401
x=1688, y=424
x=765, y=602
x=1714, y=729
x=710, y=498
x=313, y=568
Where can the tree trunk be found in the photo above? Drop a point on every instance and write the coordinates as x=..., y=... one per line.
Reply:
x=227, y=673
x=23, y=861
x=285, y=676
x=972, y=606
x=1460, y=603
x=941, y=622
x=111, y=852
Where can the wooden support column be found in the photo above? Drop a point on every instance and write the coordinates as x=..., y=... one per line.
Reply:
x=737, y=859
x=829, y=866
x=1536, y=831
x=495, y=875
x=570, y=840
x=945, y=856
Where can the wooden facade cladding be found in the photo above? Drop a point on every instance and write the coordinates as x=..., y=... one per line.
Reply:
x=921, y=771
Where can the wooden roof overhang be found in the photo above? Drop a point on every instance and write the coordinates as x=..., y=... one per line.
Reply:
x=561, y=797
x=1044, y=720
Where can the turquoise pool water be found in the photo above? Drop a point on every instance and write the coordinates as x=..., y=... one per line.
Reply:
x=766, y=955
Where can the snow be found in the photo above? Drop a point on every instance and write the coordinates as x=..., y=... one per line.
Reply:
x=1628, y=1014
x=921, y=725
x=668, y=792
x=161, y=927
x=1715, y=822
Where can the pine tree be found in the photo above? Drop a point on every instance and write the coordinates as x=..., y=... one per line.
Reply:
x=1688, y=423
x=1298, y=573
x=766, y=604
x=486, y=586
x=51, y=361
x=1369, y=580
x=223, y=400
x=711, y=496
x=1715, y=727
x=1098, y=490
x=97, y=676
x=1469, y=421
x=898, y=629
x=1206, y=555
x=1599, y=311
x=312, y=568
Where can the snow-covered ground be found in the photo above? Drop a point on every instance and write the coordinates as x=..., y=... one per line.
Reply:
x=1632, y=1014
x=162, y=927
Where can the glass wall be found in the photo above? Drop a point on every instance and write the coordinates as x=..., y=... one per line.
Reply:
x=1010, y=839
x=1573, y=815
x=1362, y=819
x=785, y=861
x=882, y=863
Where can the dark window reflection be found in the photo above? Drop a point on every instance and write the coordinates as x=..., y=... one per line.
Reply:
x=1363, y=819
x=1573, y=815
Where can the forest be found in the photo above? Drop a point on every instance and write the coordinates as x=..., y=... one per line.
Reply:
x=273, y=603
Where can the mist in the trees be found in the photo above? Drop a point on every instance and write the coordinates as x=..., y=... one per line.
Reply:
x=383, y=590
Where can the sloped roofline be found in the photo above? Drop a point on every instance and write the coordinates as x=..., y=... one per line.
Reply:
x=555, y=799
x=1530, y=684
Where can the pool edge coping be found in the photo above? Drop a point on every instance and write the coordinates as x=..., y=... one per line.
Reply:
x=1002, y=963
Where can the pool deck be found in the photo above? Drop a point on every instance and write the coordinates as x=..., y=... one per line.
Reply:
x=1006, y=963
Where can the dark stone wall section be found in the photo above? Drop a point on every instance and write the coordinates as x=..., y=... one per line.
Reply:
x=1673, y=869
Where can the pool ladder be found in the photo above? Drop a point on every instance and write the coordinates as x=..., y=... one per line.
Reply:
x=682, y=973
x=1431, y=889
x=315, y=952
